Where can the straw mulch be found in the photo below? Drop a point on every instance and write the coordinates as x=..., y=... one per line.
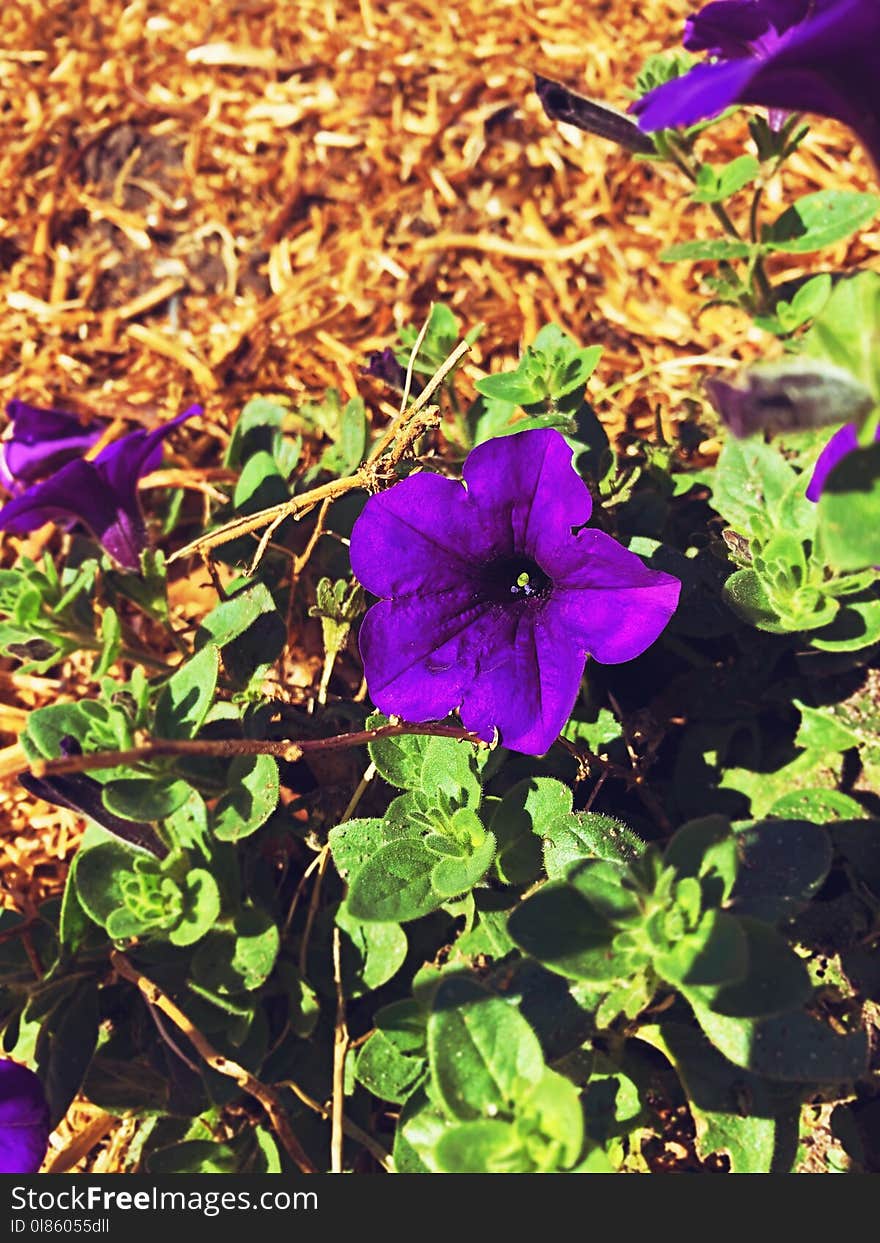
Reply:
x=204, y=202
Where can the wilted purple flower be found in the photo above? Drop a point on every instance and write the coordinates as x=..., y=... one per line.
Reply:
x=24, y=1120
x=40, y=441
x=383, y=365
x=843, y=442
x=491, y=603
x=820, y=56
x=101, y=494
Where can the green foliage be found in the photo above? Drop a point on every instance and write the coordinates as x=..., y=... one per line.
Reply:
x=785, y=583
x=715, y=184
x=820, y=219
x=550, y=368
x=694, y=868
x=442, y=335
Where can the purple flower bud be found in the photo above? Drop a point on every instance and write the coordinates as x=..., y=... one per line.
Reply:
x=490, y=601
x=101, y=494
x=384, y=366
x=819, y=56
x=40, y=441
x=24, y=1120
x=843, y=442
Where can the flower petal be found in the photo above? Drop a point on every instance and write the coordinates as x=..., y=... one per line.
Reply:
x=419, y=536
x=703, y=92
x=727, y=28
x=419, y=654
x=24, y=1120
x=41, y=442
x=844, y=441
x=101, y=494
x=526, y=494
x=73, y=494
x=528, y=676
x=608, y=601
x=122, y=463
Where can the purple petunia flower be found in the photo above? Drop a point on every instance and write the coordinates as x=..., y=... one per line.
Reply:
x=24, y=1120
x=490, y=602
x=844, y=441
x=41, y=441
x=101, y=494
x=819, y=56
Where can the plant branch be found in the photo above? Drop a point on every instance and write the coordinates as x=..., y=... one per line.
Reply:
x=364, y=477
x=340, y=1052
x=283, y=748
x=267, y=1097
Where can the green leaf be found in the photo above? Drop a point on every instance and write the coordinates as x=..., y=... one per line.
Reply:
x=705, y=848
x=249, y=630
x=398, y=759
x=111, y=642
x=530, y=810
x=849, y=511
x=371, y=953
x=124, y=1086
x=250, y=800
x=856, y=626
x=846, y=330
x=716, y=953
x=240, y=958
x=485, y=1146
x=454, y=875
x=450, y=767
x=511, y=387
x=820, y=730
x=589, y=835
x=559, y=927
x=201, y=908
x=483, y=1054
x=858, y=841
x=99, y=870
x=806, y=304
x=386, y=1071
x=74, y=923
x=145, y=798
x=353, y=843
x=187, y=695
x=734, y=1112
x=194, y=1156
x=776, y=980
x=819, y=220
x=783, y=864
x=747, y=596
x=345, y=456
x=65, y=1046
x=714, y=185
x=602, y=884
x=819, y=806
x=551, y=368
x=793, y=1047
x=257, y=429
x=722, y=248
x=748, y=486
x=394, y=886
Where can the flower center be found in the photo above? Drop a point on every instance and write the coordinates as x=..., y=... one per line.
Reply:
x=515, y=578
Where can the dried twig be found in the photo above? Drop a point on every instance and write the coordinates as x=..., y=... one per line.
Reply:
x=364, y=477
x=340, y=1051
x=284, y=749
x=268, y=1097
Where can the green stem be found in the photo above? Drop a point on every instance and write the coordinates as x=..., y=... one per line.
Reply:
x=680, y=159
x=763, y=290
